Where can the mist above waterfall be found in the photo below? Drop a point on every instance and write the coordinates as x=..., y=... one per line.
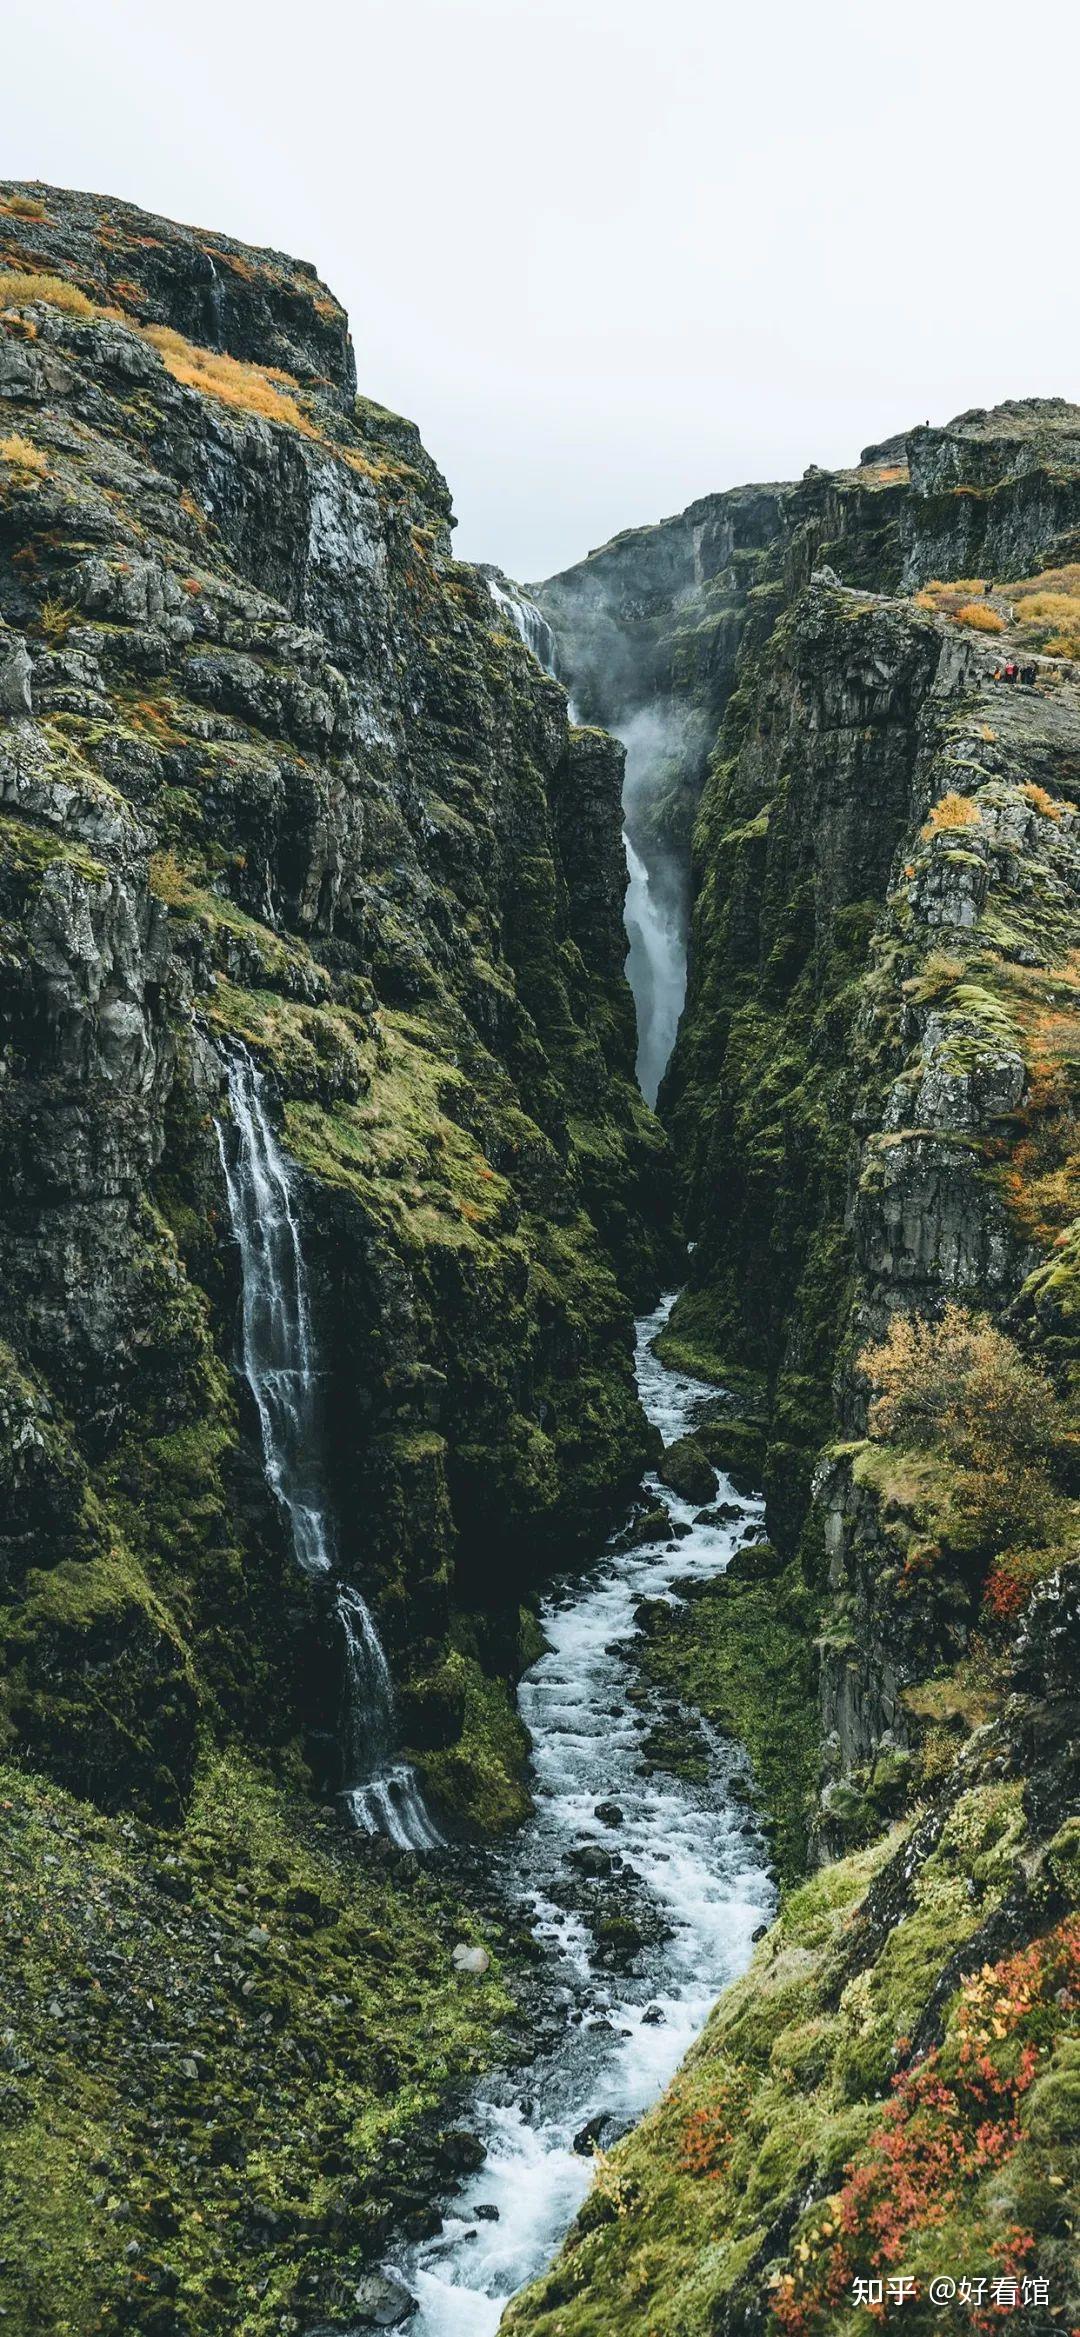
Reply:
x=656, y=904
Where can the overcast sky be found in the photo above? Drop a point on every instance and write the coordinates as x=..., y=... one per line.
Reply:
x=609, y=256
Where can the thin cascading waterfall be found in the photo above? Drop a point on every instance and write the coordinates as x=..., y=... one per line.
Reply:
x=279, y=1366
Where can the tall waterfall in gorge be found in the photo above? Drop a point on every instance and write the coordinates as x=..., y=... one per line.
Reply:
x=656, y=970
x=383, y=1795
x=654, y=914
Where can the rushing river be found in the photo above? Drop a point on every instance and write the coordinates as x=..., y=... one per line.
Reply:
x=698, y=1876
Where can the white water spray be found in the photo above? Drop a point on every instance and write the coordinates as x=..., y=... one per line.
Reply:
x=279, y=1367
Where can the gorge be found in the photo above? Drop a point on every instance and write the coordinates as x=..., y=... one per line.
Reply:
x=422, y=1693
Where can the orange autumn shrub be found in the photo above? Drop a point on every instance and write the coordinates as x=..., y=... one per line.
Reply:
x=961, y=1388
x=952, y=2119
x=983, y=619
x=953, y=811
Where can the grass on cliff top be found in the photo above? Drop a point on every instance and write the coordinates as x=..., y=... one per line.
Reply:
x=265, y=390
x=1045, y=609
x=215, y=2036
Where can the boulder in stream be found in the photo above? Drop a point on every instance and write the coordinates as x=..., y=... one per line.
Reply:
x=687, y=1469
x=382, y=2303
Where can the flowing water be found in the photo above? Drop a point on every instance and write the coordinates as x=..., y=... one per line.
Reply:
x=699, y=1878
x=382, y=1796
x=527, y=620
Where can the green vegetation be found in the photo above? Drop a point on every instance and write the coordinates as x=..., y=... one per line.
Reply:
x=212, y=2035
x=788, y=2101
x=743, y=1654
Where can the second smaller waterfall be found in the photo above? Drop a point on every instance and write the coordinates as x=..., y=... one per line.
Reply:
x=526, y=619
x=279, y=1366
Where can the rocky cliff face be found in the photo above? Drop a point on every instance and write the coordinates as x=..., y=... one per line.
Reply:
x=272, y=772
x=649, y=627
x=861, y=1090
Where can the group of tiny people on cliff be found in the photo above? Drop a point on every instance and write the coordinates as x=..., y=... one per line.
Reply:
x=1009, y=671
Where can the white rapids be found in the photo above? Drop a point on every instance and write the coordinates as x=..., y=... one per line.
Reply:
x=704, y=1872
x=277, y=1352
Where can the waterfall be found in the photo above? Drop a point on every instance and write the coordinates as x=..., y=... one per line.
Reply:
x=279, y=1366
x=655, y=927
x=655, y=914
x=656, y=969
x=528, y=621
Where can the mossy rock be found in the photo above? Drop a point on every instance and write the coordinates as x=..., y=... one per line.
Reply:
x=98, y=1689
x=685, y=1467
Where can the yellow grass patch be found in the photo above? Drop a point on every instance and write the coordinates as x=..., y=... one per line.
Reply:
x=22, y=456
x=953, y=811
x=983, y=619
x=947, y=600
x=252, y=389
x=23, y=207
x=19, y=288
x=1041, y=801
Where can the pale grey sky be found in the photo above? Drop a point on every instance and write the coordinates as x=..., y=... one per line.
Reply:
x=608, y=255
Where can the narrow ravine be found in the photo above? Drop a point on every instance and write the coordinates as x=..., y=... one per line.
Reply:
x=680, y=1866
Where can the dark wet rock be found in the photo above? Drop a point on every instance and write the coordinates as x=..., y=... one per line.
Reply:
x=735, y=1447
x=591, y=1861
x=609, y=1813
x=654, y=2016
x=652, y=1615
x=459, y=2152
x=653, y=1525
x=381, y=2302
x=422, y=2223
x=722, y=1513
x=756, y=1561
x=486, y=2212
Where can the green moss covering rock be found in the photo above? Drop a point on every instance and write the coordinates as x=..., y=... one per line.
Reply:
x=225, y=2051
